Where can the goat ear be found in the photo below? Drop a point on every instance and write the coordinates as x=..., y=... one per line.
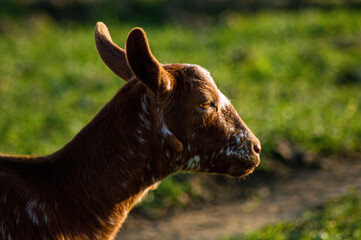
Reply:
x=144, y=65
x=111, y=54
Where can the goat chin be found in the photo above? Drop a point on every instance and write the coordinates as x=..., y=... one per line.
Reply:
x=242, y=172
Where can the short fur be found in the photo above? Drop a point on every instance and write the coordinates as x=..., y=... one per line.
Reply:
x=165, y=119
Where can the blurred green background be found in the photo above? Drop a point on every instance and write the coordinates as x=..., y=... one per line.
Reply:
x=292, y=69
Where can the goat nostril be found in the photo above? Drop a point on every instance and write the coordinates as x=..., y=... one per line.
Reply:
x=257, y=148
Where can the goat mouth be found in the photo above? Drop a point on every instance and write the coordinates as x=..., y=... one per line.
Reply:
x=242, y=173
x=245, y=168
x=252, y=162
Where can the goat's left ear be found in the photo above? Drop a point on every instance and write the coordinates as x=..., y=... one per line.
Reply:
x=144, y=65
x=112, y=55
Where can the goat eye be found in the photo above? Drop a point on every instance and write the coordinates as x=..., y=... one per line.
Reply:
x=205, y=105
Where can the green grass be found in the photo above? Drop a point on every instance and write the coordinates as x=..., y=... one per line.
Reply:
x=336, y=220
x=290, y=75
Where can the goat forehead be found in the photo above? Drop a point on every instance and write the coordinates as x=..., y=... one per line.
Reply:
x=223, y=100
x=202, y=72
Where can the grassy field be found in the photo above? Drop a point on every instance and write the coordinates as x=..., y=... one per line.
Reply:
x=335, y=220
x=290, y=75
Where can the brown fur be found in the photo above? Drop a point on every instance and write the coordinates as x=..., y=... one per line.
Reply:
x=153, y=127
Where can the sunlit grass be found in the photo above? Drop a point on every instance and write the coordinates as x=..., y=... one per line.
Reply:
x=338, y=219
x=290, y=75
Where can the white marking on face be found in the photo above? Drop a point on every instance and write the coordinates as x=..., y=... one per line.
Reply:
x=131, y=153
x=141, y=140
x=196, y=159
x=46, y=219
x=165, y=131
x=223, y=100
x=41, y=206
x=189, y=147
x=144, y=103
x=229, y=152
x=194, y=163
x=189, y=165
x=167, y=153
x=30, y=209
x=144, y=121
x=240, y=149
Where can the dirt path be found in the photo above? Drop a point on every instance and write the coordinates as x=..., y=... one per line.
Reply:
x=305, y=189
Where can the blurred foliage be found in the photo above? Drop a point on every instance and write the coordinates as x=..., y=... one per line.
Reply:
x=157, y=11
x=291, y=75
x=337, y=220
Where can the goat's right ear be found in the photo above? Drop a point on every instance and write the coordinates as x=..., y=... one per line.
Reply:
x=112, y=55
x=145, y=66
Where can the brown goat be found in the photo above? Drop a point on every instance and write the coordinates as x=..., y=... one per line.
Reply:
x=166, y=119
